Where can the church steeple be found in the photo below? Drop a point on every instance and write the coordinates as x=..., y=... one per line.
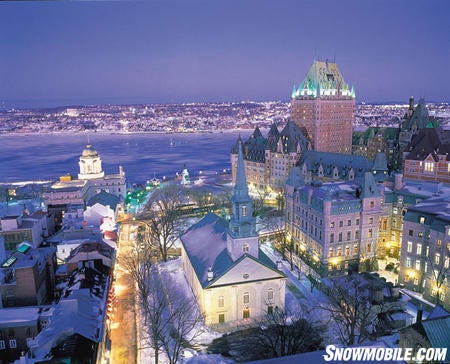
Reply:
x=242, y=237
x=240, y=187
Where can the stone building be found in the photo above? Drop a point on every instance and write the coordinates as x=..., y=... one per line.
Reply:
x=268, y=160
x=324, y=104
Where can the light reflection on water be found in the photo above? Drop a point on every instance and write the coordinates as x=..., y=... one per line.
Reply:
x=46, y=157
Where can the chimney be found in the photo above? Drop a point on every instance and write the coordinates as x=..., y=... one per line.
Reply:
x=419, y=315
x=210, y=274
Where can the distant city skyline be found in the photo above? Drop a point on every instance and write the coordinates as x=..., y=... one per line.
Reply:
x=143, y=52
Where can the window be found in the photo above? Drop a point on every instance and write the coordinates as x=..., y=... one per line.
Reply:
x=270, y=294
x=245, y=248
x=340, y=237
x=330, y=252
x=422, y=220
x=347, y=250
x=425, y=267
x=221, y=301
x=357, y=234
x=408, y=262
x=446, y=263
x=419, y=249
x=439, y=242
x=332, y=238
x=332, y=224
x=246, y=313
x=349, y=235
x=369, y=248
x=2, y=345
x=417, y=264
x=370, y=220
x=437, y=258
x=349, y=222
x=409, y=247
x=416, y=281
x=429, y=167
x=12, y=343
x=246, y=297
x=410, y=232
x=355, y=249
x=269, y=310
x=244, y=211
x=357, y=222
x=341, y=223
x=372, y=203
x=221, y=318
x=370, y=233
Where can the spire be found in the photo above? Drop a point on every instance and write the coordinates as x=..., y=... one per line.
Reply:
x=240, y=187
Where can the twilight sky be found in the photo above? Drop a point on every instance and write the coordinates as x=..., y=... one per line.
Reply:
x=85, y=52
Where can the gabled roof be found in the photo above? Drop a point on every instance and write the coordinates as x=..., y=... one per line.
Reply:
x=292, y=136
x=427, y=142
x=104, y=198
x=100, y=247
x=205, y=244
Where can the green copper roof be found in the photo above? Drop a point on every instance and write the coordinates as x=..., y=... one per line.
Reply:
x=323, y=79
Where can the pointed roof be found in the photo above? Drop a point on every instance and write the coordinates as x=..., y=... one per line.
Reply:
x=380, y=162
x=435, y=141
x=323, y=78
x=369, y=186
x=240, y=187
x=292, y=135
x=235, y=148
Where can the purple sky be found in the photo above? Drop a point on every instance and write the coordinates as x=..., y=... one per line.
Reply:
x=61, y=53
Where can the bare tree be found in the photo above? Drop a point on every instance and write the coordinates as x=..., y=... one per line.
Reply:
x=160, y=217
x=350, y=308
x=283, y=334
x=182, y=321
x=440, y=269
x=138, y=263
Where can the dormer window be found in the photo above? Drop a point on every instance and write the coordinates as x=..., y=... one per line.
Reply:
x=245, y=248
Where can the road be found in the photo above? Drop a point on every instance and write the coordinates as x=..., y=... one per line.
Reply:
x=123, y=318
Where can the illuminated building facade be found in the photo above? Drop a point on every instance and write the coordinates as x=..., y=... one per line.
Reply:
x=333, y=226
x=325, y=105
x=427, y=156
x=268, y=160
x=425, y=250
x=91, y=181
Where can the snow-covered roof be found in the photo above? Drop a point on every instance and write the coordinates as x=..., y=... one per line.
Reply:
x=205, y=243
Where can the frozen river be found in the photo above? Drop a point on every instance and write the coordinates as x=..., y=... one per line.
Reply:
x=46, y=157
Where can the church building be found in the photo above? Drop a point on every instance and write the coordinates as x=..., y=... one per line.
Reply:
x=232, y=279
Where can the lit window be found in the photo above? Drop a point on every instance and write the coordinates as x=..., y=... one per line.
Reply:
x=370, y=233
x=437, y=258
x=245, y=248
x=408, y=262
x=419, y=249
x=409, y=247
x=12, y=343
x=418, y=264
x=244, y=211
x=2, y=345
x=429, y=167
x=422, y=220
x=370, y=220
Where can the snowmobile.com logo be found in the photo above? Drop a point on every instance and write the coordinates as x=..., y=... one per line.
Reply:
x=362, y=354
